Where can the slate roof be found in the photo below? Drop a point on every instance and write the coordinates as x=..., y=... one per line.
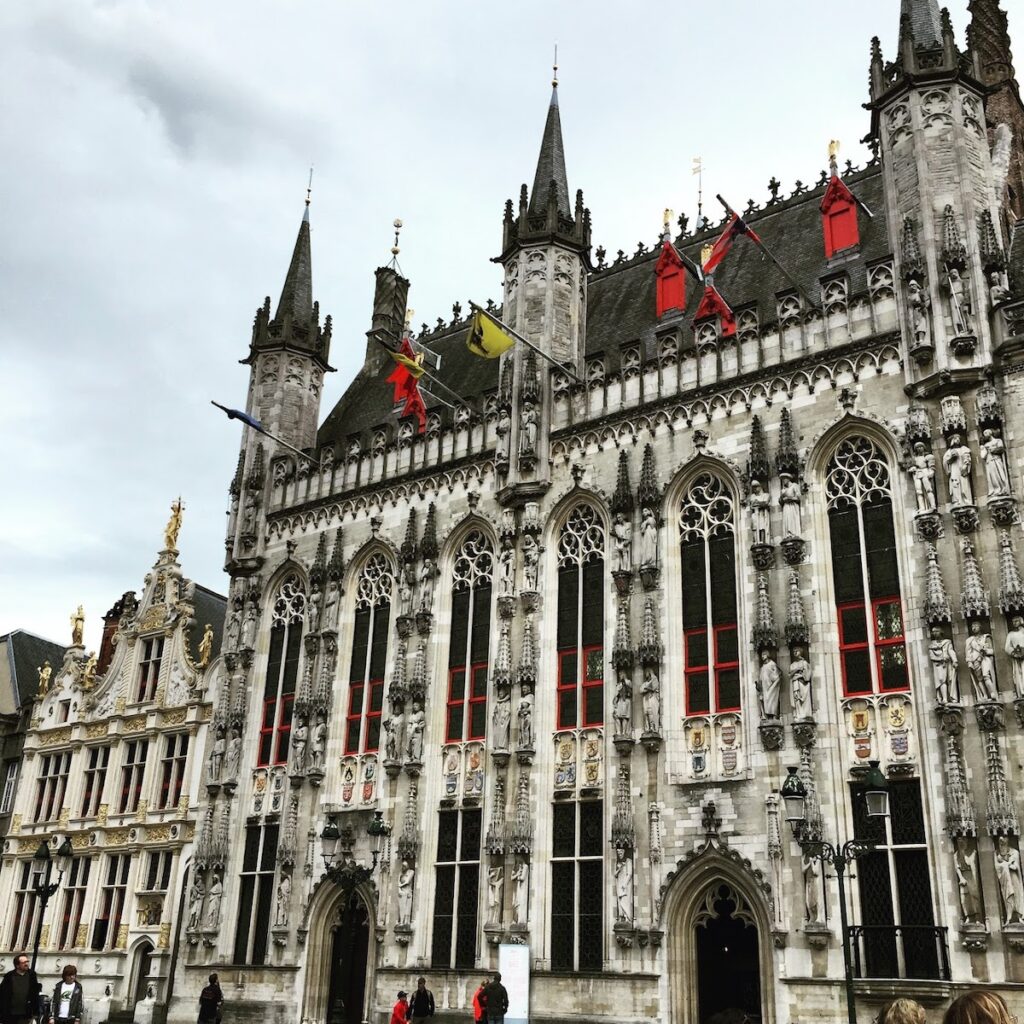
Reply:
x=551, y=165
x=621, y=298
x=21, y=654
x=925, y=27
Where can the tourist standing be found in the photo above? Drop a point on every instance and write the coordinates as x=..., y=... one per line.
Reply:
x=211, y=1001
x=480, y=1003
x=66, y=1007
x=421, y=1006
x=978, y=1007
x=497, y=1000
x=19, y=993
x=400, y=1011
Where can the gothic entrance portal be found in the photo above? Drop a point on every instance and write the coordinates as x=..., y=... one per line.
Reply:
x=350, y=947
x=728, y=959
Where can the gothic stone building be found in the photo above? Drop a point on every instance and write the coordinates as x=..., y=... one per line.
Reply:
x=566, y=642
x=113, y=763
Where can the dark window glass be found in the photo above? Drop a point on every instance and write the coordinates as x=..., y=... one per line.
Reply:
x=465, y=940
x=591, y=936
x=593, y=603
x=481, y=623
x=880, y=541
x=563, y=913
x=564, y=830
x=444, y=906
x=591, y=828
x=447, y=835
x=722, y=551
x=568, y=598
x=694, y=584
x=846, y=564
x=360, y=640
x=460, y=627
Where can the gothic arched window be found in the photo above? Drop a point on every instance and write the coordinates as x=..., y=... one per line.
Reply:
x=282, y=671
x=864, y=568
x=581, y=620
x=468, y=650
x=369, y=655
x=711, y=657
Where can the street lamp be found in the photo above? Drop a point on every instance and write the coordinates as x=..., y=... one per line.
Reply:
x=344, y=869
x=876, y=800
x=44, y=888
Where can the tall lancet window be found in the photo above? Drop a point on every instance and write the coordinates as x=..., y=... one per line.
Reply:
x=864, y=569
x=282, y=671
x=581, y=620
x=707, y=531
x=369, y=654
x=471, y=628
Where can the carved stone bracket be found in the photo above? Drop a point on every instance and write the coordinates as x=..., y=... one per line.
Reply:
x=951, y=719
x=804, y=732
x=625, y=934
x=965, y=518
x=623, y=744
x=1014, y=935
x=763, y=555
x=506, y=606
x=392, y=768
x=964, y=344
x=793, y=549
x=1003, y=511
x=989, y=714
x=819, y=935
x=404, y=624
x=651, y=742
x=974, y=937
x=403, y=934
x=623, y=579
x=929, y=525
x=650, y=576
x=772, y=734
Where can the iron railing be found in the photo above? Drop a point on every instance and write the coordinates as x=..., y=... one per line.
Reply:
x=899, y=951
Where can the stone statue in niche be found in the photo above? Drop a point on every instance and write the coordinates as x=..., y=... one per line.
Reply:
x=405, y=597
x=406, y=882
x=922, y=470
x=959, y=303
x=789, y=501
x=233, y=631
x=648, y=539
x=284, y=895
x=216, y=760
x=981, y=660
x=525, y=716
x=427, y=574
x=769, y=686
x=1015, y=652
x=495, y=883
x=213, y=901
x=234, y=756
x=313, y=611
x=318, y=745
x=507, y=568
x=249, y=514
x=417, y=722
x=195, y=903
x=760, y=519
x=942, y=655
x=965, y=862
x=331, y=607
x=811, y=869
x=300, y=735
x=520, y=891
x=393, y=735
x=249, y=626
x=993, y=455
x=623, y=710
x=997, y=291
x=957, y=464
x=650, y=693
x=531, y=558
x=623, y=887
x=800, y=685
x=1011, y=889
x=918, y=304
x=501, y=721
x=503, y=428
x=622, y=532
x=528, y=420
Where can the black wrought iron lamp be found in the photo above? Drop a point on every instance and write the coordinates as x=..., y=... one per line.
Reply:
x=876, y=801
x=44, y=888
x=342, y=868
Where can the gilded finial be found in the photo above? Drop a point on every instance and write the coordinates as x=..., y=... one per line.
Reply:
x=77, y=627
x=833, y=153
x=554, y=70
x=705, y=252
x=173, y=526
x=398, y=227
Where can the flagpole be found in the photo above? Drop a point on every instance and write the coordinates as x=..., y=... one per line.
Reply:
x=764, y=248
x=436, y=398
x=266, y=433
x=529, y=344
x=426, y=373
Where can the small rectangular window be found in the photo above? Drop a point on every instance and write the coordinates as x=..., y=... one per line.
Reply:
x=133, y=772
x=10, y=783
x=149, y=668
x=97, y=760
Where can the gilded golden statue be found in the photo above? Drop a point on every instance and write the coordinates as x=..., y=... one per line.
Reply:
x=89, y=671
x=173, y=526
x=44, y=678
x=77, y=627
x=205, y=647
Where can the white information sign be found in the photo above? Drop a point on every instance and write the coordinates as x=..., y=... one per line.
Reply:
x=514, y=964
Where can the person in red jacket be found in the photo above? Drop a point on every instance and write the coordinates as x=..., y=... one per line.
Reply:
x=400, y=1011
x=480, y=1003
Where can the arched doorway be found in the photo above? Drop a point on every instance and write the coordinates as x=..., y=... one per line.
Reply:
x=350, y=948
x=143, y=963
x=728, y=965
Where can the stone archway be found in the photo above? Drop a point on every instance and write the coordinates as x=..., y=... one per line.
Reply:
x=715, y=898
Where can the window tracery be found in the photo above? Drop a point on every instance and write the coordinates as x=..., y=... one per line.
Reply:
x=288, y=613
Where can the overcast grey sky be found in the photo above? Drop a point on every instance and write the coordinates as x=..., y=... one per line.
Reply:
x=155, y=160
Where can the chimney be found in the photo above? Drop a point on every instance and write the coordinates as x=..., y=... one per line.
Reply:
x=389, y=302
x=126, y=605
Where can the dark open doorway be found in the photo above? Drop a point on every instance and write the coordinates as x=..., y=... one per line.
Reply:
x=728, y=966
x=349, y=952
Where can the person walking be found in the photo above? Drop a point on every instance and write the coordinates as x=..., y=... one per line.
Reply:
x=979, y=1007
x=901, y=1011
x=66, y=1006
x=19, y=993
x=400, y=1011
x=421, y=1006
x=497, y=1000
x=480, y=1003
x=211, y=1000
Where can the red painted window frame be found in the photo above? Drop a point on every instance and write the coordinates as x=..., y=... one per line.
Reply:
x=725, y=666
x=354, y=719
x=845, y=646
x=283, y=728
x=709, y=670
x=562, y=685
x=897, y=641
x=878, y=643
x=466, y=702
x=589, y=684
x=374, y=686
x=695, y=670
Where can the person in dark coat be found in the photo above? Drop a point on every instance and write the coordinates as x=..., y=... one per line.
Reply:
x=66, y=1006
x=210, y=1001
x=421, y=1005
x=497, y=1000
x=19, y=993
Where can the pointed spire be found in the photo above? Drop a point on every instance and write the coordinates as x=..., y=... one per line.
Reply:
x=550, y=182
x=418, y=687
x=318, y=572
x=648, y=493
x=502, y=675
x=255, y=481
x=990, y=40
x=936, y=600
x=920, y=18
x=913, y=266
x=336, y=567
x=622, y=499
x=520, y=835
x=758, y=467
x=953, y=252
x=623, y=828
x=622, y=652
x=236, y=481
x=1011, y=587
x=495, y=841
x=397, y=690
x=428, y=546
x=959, y=809
x=528, y=655
x=409, y=841
x=765, y=635
x=992, y=258
x=974, y=597
x=409, y=545
x=787, y=459
x=813, y=828
x=796, y=621
x=1000, y=813
x=296, y=302
x=650, y=649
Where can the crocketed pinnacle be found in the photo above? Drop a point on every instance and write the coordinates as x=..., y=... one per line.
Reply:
x=765, y=634
x=551, y=166
x=974, y=597
x=622, y=499
x=622, y=652
x=1011, y=587
x=936, y=599
x=296, y=302
x=990, y=39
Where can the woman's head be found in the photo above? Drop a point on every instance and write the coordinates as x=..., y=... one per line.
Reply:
x=70, y=972
x=901, y=1011
x=979, y=1007
x=213, y=979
